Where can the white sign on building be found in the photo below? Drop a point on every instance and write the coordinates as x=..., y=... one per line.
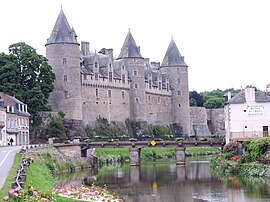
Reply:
x=255, y=110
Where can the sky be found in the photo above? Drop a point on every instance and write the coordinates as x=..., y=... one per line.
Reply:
x=226, y=43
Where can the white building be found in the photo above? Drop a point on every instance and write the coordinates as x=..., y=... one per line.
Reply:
x=247, y=115
x=3, y=138
x=14, y=118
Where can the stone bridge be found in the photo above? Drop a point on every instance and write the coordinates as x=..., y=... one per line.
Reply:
x=84, y=149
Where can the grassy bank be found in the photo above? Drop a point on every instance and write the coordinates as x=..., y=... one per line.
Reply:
x=120, y=155
x=6, y=187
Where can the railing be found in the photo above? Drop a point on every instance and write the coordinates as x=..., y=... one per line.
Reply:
x=249, y=134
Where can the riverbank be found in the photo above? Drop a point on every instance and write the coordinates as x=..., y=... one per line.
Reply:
x=40, y=182
x=253, y=162
x=121, y=155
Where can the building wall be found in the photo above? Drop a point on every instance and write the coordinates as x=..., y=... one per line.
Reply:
x=65, y=61
x=114, y=108
x=3, y=138
x=245, y=120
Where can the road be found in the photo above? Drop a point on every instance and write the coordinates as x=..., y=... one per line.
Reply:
x=7, y=155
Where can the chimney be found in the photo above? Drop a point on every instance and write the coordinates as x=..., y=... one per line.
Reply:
x=250, y=94
x=109, y=52
x=85, y=48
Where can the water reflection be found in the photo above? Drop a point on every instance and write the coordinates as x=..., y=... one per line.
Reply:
x=167, y=182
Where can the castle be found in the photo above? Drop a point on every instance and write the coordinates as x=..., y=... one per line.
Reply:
x=90, y=84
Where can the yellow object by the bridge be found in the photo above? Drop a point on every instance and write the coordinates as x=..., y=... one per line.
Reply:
x=153, y=143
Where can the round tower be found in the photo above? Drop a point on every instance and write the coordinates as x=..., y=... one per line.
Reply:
x=63, y=54
x=177, y=71
x=133, y=60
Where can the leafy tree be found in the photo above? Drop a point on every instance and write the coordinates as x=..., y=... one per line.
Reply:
x=160, y=131
x=214, y=102
x=89, y=131
x=56, y=127
x=27, y=76
x=214, y=99
x=192, y=102
x=198, y=98
x=103, y=127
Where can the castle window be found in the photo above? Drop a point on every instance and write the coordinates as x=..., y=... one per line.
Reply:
x=96, y=76
x=167, y=87
x=110, y=76
x=137, y=100
x=136, y=85
x=65, y=77
x=109, y=93
x=178, y=80
x=64, y=61
x=123, y=67
x=159, y=85
x=123, y=94
x=96, y=64
x=84, y=77
x=179, y=92
x=149, y=98
x=159, y=100
x=66, y=95
x=96, y=92
x=123, y=79
x=179, y=105
x=135, y=73
x=150, y=84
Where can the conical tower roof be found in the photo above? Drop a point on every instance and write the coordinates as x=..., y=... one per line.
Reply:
x=129, y=48
x=173, y=56
x=62, y=32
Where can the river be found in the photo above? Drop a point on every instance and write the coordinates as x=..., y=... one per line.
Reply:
x=164, y=181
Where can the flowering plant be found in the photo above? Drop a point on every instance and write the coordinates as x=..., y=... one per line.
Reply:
x=84, y=193
x=29, y=194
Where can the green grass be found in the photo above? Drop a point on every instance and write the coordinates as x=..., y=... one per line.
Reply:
x=157, y=153
x=196, y=151
x=12, y=174
x=40, y=177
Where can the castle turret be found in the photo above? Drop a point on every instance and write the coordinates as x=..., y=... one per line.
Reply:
x=130, y=54
x=63, y=54
x=177, y=71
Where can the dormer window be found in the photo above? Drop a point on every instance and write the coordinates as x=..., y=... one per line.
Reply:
x=65, y=77
x=8, y=108
x=135, y=73
x=64, y=61
x=110, y=76
x=12, y=109
x=123, y=79
x=96, y=64
x=96, y=76
x=136, y=85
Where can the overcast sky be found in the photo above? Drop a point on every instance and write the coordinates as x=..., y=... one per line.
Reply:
x=226, y=43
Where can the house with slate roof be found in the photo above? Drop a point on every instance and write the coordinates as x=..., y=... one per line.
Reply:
x=247, y=115
x=14, y=121
x=129, y=86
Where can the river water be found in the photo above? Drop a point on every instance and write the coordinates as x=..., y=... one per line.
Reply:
x=164, y=181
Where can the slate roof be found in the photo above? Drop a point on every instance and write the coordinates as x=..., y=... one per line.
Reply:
x=173, y=56
x=62, y=32
x=129, y=48
x=239, y=98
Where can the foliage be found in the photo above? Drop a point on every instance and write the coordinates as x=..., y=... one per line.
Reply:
x=213, y=99
x=195, y=99
x=103, y=127
x=28, y=194
x=196, y=151
x=56, y=127
x=159, y=130
x=89, y=131
x=130, y=125
x=27, y=76
x=256, y=148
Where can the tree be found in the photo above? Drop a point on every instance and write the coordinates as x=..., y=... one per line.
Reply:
x=27, y=76
x=56, y=127
x=198, y=98
x=214, y=99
